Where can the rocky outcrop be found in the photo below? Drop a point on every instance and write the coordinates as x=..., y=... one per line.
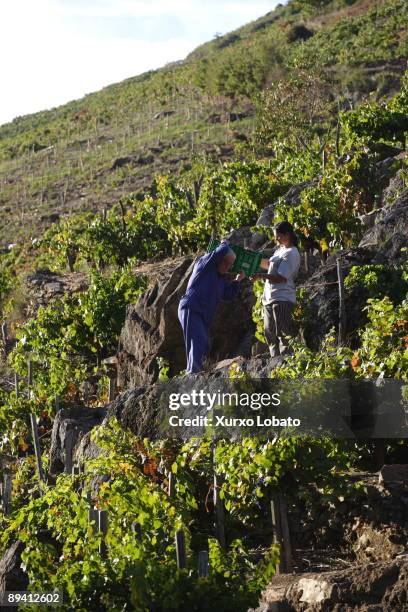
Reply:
x=141, y=160
x=164, y=113
x=141, y=409
x=70, y=426
x=375, y=544
x=375, y=586
x=228, y=117
x=267, y=215
x=322, y=298
x=138, y=409
x=384, y=151
x=383, y=243
x=152, y=329
x=376, y=527
x=393, y=474
x=43, y=285
x=12, y=577
x=394, y=189
x=241, y=236
x=385, y=169
x=86, y=449
x=390, y=233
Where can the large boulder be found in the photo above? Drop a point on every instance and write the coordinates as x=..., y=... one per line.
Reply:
x=141, y=409
x=292, y=198
x=394, y=189
x=152, y=329
x=374, y=586
x=383, y=243
x=385, y=170
x=136, y=410
x=265, y=219
x=70, y=426
x=322, y=298
x=241, y=236
x=389, y=235
x=375, y=524
x=377, y=584
x=86, y=449
x=43, y=285
x=12, y=576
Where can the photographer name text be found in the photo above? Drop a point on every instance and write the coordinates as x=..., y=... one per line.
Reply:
x=224, y=421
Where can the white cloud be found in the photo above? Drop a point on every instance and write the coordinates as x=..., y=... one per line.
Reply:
x=50, y=56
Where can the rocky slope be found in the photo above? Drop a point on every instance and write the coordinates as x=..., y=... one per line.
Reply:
x=372, y=538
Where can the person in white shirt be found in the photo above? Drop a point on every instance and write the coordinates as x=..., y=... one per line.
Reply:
x=279, y=296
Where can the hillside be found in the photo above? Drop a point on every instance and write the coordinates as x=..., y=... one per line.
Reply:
x=299, y=116
x=86, y=154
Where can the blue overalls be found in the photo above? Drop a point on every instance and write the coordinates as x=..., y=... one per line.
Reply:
x=196, y=311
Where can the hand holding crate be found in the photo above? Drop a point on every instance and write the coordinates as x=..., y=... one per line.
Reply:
x=247, y=261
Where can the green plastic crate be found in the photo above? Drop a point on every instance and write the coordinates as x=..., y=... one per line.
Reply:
x=247, y=261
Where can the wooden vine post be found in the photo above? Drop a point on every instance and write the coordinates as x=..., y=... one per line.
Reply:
x=86, y=393
x=112, y=388
x=69, y=447
x=4, y=334
x=286, y=534
x=281, y=534
x=203, y=564
x=103, y=530
x=111, y=364
x=29, y=376
x=5, y=494
x=218, y=506
x=277, y=532
x=137, y=530
x=92, y=512
x=171, y=486
x=342, y=304
x=34, y=427
x=306, y=261
x=181, y=549
x=219, y=512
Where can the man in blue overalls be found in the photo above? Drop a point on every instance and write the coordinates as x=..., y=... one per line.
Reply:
x=206, y=287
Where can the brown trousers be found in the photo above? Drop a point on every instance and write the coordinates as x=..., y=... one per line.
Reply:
x=278, y=324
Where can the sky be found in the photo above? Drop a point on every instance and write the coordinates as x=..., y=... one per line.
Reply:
x=54, y=51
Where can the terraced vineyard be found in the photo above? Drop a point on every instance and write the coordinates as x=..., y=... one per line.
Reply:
x=105, y=202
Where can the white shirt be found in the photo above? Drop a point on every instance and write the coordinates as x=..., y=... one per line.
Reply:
x=285, y=261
